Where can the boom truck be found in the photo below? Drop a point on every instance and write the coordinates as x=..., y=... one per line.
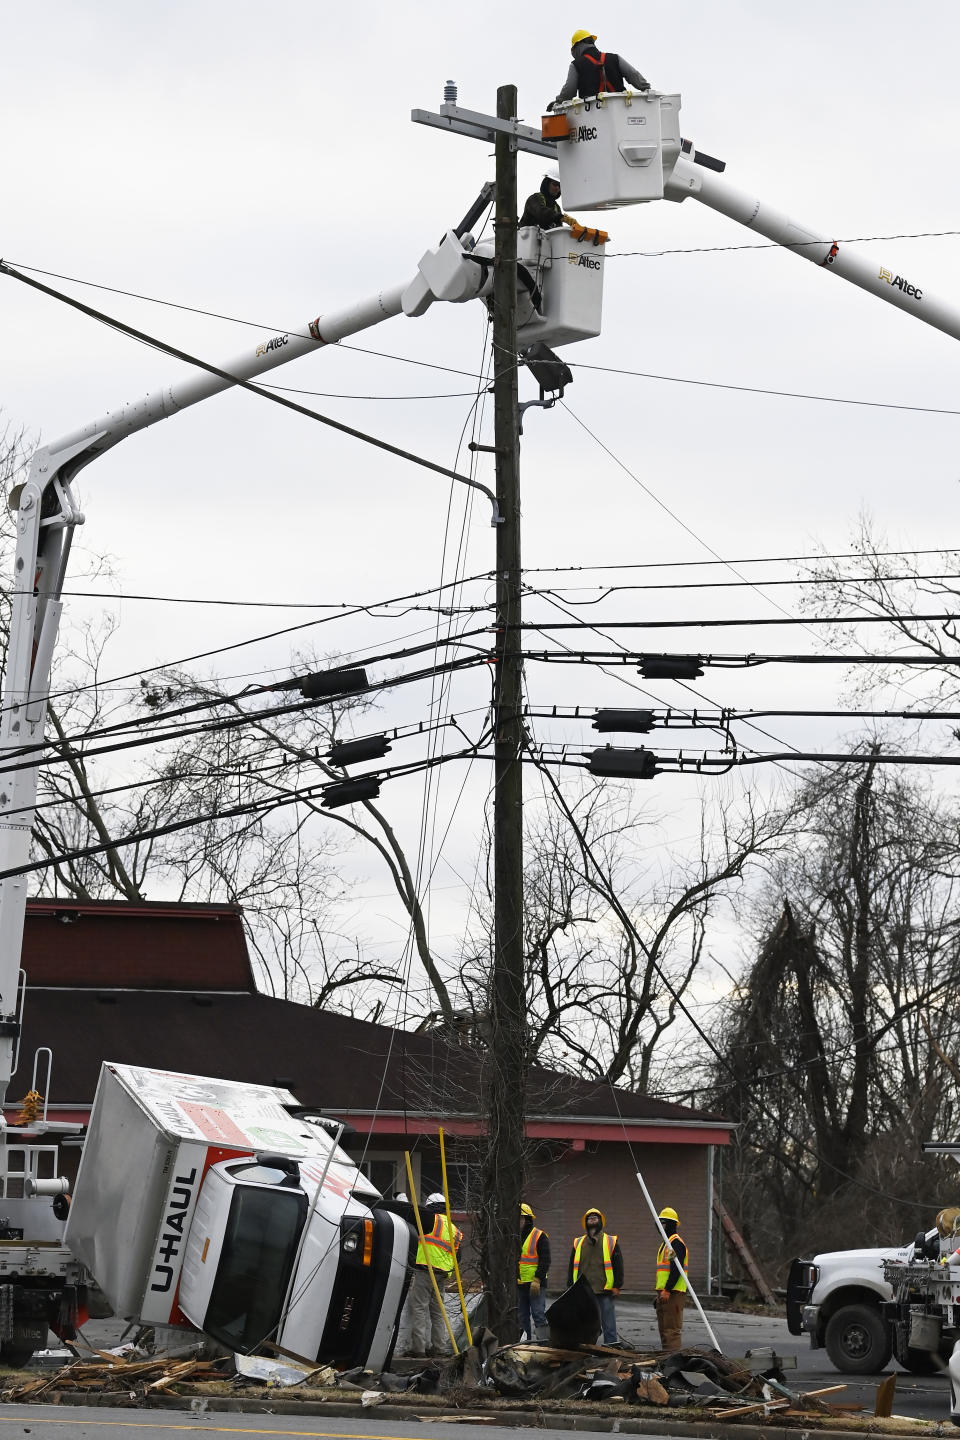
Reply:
x=616, y=151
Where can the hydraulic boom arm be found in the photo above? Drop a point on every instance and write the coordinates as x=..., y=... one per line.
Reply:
x=690, y=181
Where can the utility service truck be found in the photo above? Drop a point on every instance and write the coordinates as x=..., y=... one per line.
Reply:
x=840, y=1297
x=202, y=1214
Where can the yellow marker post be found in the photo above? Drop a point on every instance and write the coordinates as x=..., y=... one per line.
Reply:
x=433, y=1278
x=456, y=1262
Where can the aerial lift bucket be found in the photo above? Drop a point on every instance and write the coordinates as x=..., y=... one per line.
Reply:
x=615, y=150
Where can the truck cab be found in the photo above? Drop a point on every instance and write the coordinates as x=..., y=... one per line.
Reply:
x=269, y=1258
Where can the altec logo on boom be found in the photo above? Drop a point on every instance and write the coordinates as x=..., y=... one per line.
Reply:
x=273, y=344
x=898, y=283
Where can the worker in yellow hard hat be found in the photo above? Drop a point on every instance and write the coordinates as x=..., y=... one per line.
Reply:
x=596, y=72
x=534, y=1267
x=596, y=1256
x=671, y=1281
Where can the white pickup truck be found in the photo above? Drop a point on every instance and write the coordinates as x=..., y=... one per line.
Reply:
x=837, y=1298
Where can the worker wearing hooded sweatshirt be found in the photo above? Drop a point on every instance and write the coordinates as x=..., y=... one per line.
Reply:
x=532, y=1275
x=594, y=72
x=542, y=207
x=671, y=1282
x=596, y=1256
x=422, y=1324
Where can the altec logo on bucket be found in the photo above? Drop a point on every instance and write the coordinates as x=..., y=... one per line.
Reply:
x=898, y=283
x=586, y=261
x=583, y=132
x=273, y=344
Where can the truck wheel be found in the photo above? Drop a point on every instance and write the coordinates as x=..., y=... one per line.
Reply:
x=857, y=1340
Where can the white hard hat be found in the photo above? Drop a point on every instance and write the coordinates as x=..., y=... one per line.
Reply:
x=403, y=1196
x=435, y=1199
x=553, y=175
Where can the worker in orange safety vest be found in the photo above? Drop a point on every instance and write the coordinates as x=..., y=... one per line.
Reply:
x=596, y=1256
x=532, y=1272
x=671, y=1282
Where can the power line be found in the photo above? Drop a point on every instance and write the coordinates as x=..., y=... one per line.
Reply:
x=723, y=622
x=797, y=245
x=167, y=665
x=567, y=591
x=765, y=390
x=719, y=560
x=729, y=662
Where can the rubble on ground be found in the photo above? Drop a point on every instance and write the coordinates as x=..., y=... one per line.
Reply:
x=700, y=1383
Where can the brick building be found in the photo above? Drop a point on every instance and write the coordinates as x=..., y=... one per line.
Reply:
x=171, y=986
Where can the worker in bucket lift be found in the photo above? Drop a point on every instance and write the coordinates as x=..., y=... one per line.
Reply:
x=422, y=1324
x=594, y=72
x=532, y=1275
x=543, y=206
x=671, y=1282
x=596, y=1256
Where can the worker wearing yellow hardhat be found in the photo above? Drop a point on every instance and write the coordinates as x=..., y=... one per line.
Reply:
x=596, y=1256
x=671, y=1281
x=596, y=72
x=532, y=1273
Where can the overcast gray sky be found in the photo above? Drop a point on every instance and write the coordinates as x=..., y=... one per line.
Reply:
x=258, y=161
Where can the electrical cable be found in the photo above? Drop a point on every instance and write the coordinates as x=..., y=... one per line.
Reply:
x=797, y=245
x=167, y=665
x=720, y=560
x=568, y=591
x=723, y=622
x=766, y=390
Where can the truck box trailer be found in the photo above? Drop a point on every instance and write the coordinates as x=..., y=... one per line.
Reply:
x=208, y=1204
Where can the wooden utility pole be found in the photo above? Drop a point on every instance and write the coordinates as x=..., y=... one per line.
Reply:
x=507, y=1059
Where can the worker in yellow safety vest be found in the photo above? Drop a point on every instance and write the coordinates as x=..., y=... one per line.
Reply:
x=671, y=1282
x=422, y=1326
x=532, y=1272
x=596, y=1256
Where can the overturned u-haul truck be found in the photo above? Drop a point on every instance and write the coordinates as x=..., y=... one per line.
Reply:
x=207, y=1204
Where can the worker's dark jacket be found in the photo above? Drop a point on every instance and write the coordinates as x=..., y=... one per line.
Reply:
x=596, y=72
x=541, y=209
x=543, y=1250
x=677, y=1263
x=616, y=1261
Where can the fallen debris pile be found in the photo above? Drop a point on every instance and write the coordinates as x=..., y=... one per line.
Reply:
x=485, y=1376
x=104, y=1374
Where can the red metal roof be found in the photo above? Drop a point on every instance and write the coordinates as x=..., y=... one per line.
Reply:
x=112, y=944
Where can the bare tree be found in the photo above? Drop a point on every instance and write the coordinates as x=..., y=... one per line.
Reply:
x=827, y=1063
x=614, y=939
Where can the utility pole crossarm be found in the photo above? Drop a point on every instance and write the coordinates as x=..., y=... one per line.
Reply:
x=478, y=126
